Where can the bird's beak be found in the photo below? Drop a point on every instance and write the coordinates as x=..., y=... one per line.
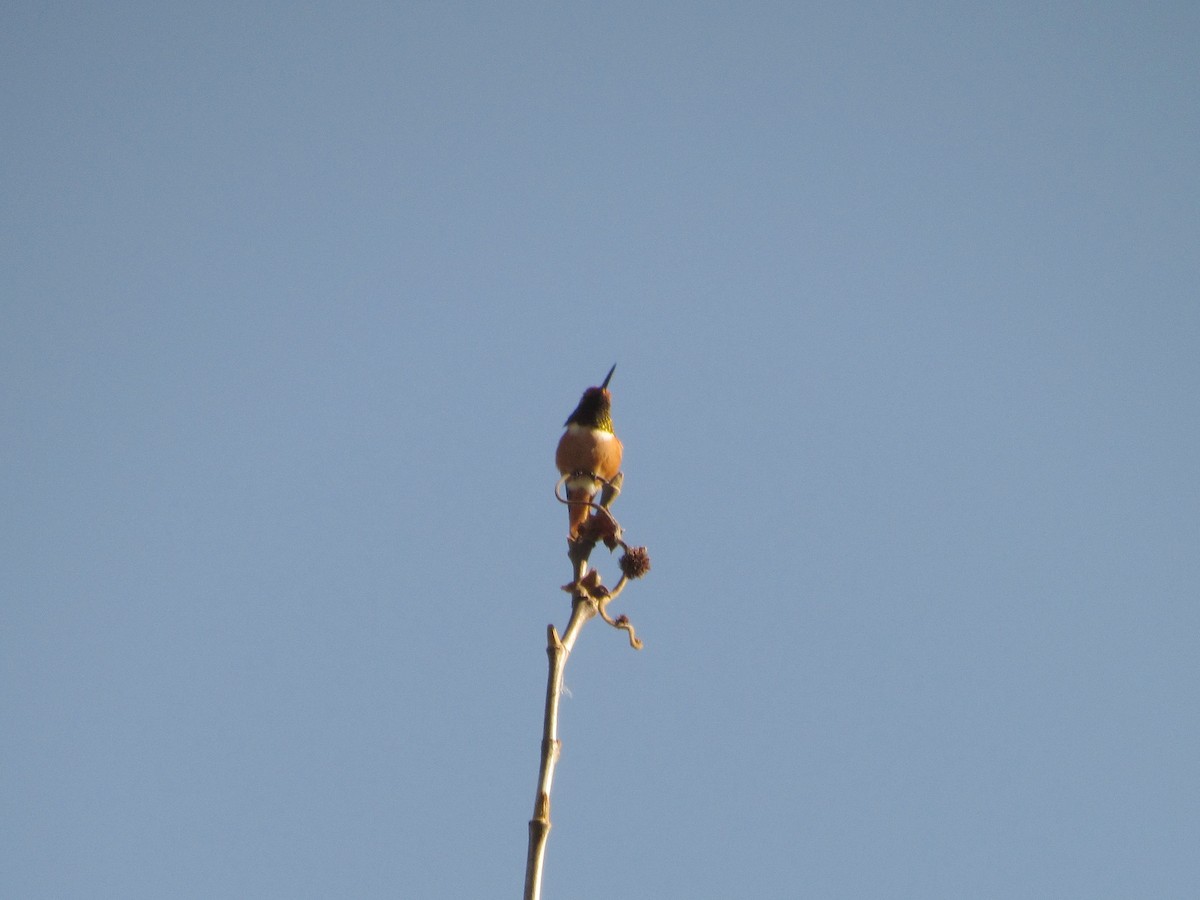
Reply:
x=604, y=386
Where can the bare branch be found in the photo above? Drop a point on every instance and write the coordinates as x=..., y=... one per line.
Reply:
x=589, y=598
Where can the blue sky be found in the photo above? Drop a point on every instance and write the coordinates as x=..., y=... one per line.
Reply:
x=903, y=305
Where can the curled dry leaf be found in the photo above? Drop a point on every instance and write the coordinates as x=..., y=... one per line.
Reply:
x=600, y=527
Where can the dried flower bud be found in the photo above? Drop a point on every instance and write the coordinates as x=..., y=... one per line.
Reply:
x=591, y=580
x=635, y=562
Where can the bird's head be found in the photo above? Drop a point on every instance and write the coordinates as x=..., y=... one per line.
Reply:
x=595, y=406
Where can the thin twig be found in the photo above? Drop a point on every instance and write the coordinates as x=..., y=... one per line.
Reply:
x=588, y=599
x=557, y=649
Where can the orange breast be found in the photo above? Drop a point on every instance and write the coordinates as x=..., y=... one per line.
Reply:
x=588, y=450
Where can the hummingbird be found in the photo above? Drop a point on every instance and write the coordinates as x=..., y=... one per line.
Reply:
x=588, y=451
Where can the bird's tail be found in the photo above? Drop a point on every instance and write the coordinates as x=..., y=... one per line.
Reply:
x=577, y=509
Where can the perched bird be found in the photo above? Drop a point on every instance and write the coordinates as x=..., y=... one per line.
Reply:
x=588, y=451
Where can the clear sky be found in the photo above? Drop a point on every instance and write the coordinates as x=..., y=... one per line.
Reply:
x=903, y=301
